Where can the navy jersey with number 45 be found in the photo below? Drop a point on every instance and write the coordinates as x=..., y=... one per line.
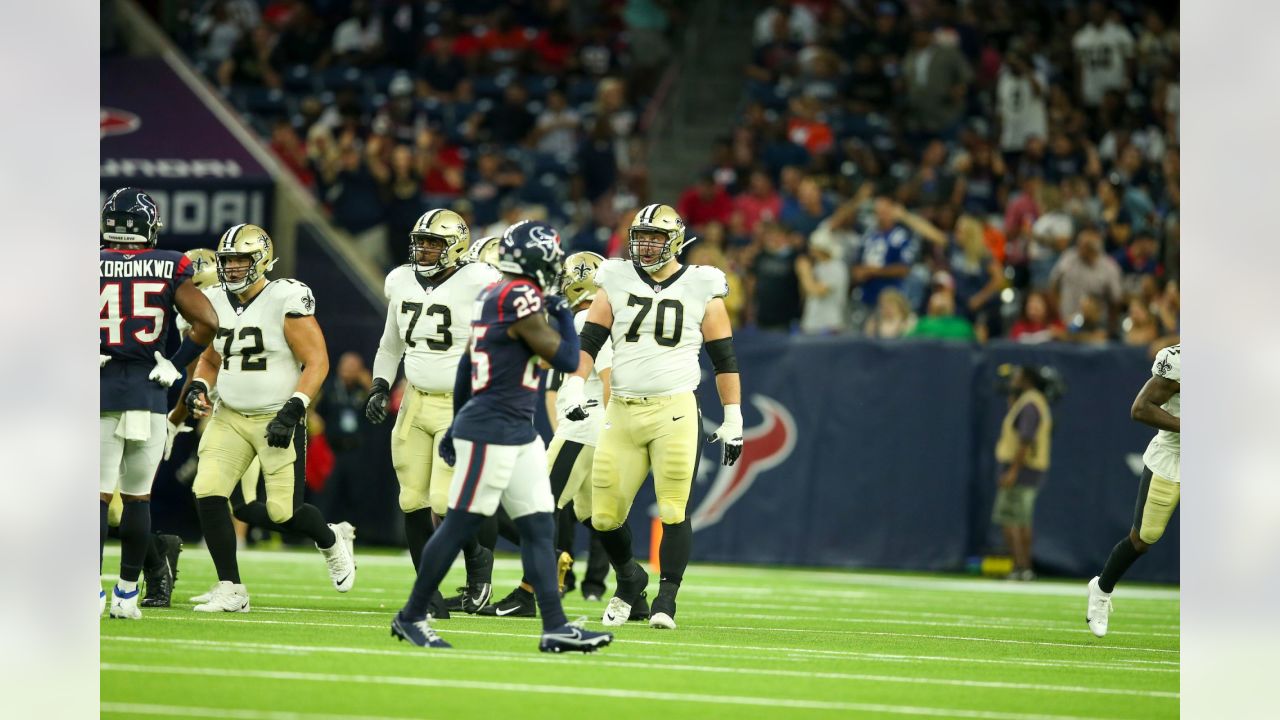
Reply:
x=504, y=371
x=135, y=315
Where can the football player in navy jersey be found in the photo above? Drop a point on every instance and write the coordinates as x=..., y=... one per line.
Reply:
x=492, y=441
x=138, y=288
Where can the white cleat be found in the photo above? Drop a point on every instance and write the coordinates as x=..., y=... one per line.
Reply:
x=340, y=558
x=226, y=596
x=124, y=605
x=1099, y=610
x=616, y=613
x=662, y=620
x=102, y=601
x=205, y=597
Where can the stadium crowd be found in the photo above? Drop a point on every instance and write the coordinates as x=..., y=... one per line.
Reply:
x=963, y=170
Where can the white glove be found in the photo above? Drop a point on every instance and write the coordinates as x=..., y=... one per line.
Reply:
x=730, y=431
x=573, y=393
x=164, y=372
x=103, y=360
x=174, y=432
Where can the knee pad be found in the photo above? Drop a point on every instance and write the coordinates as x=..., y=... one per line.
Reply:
x=671, y=513
x=1150, y=535
x=279, y=512
x=604, y=522
x=440, y=503
x=412, y=500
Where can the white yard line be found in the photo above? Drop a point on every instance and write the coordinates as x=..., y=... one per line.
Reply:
x=539, y=689
x=1119, y=664
x=119, y=708
x=663, y=666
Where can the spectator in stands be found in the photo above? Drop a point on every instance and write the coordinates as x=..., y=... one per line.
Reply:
x=1037, y=323
x=219, y=32
x=1019, y=220
x=440, y=165
x=1084, y=271
x=509, y=122
x=556, y=132
x=1020, y=95
x=773, y=284
x=1103, y=49
x=887, y=253
x=942, y=322
x=1140, y=326
x=250, y=62
x=358, y=39
x=303, y=40
x=810, y=209
x=979, y=187
x=341, y=407
x=759, y=202
x=705, y=201
x=978, y=277
x=798, y=22
x=711, y=254
x=1050, y=236
x=441, y=70
x=937, y=79
x=892, y=317
x=400, y=183
x=292, y=152
x=1087, y=326
x=354, y=199
x=1138, y=260
x=484, y=186
x=399, y=119
x=824, y=283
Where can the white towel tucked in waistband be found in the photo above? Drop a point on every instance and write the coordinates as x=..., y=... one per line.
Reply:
x=134, y=425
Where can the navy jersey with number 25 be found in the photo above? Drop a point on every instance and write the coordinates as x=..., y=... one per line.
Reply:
x=504, y=371
x=135, y=315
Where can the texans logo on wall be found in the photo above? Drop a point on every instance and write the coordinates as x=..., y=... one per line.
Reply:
x=113, y=121
x=764, y=446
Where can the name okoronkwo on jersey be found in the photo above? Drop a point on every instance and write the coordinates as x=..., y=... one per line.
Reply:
x=504, y=371
x=135, y=311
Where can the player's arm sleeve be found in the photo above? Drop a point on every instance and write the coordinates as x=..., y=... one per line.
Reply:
x=462, y=383
x=390, y=349
x=717, y=283
x=300, y=302
x=1027, y=422
x=604, y=357
x=1166, y=365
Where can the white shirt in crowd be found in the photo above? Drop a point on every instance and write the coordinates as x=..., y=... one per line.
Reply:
x=1022, y=110
x=1102, y=52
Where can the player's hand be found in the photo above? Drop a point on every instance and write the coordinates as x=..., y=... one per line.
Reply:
x=1008, y=479
x=197, y=399
x=379, y=397
x=573, y=395
x=103, y=360
x=164, y=372
x=730, y=432
x=174, y=432
x=447, y=451
x=280, y=429
x=556, y=304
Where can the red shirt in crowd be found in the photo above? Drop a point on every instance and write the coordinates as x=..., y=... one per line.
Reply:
x=754, y=208
x=438, y=181
x=698, y=210
x=1028, y=332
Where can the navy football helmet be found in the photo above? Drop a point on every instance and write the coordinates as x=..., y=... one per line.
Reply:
x=130, y=217
x=532, y=249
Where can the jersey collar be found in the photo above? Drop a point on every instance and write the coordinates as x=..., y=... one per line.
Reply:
x=240, y=307
x=647, y=279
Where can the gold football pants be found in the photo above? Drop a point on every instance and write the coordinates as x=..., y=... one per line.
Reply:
x=660, y=433
x=577, y=487
x=1157, y=499
x=415, y=445
x=230, y=444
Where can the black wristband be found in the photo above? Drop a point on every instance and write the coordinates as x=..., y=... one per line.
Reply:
x=722, y=356
x=292, y=412
x=593, y=337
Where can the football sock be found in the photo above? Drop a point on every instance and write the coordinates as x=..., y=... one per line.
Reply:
x=566, y=524
x=307, y=521
x=617, y=543
x=537, y=555
x=437, y=556
x=135, y=534
x=155, y=554
x=219, y=536
x=487, y=535
x=417, y=531
x=673, y=556
x=102, y=530
x=597, y=564
x=506, y=528
x=473, y=556
x=1122, y=556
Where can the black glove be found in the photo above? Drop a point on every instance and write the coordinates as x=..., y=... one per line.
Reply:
x=195, y=401
x=376, y=407
x=447, y=453
x=280, y=429
x=732, y=451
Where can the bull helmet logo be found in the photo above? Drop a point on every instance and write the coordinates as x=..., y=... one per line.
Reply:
x=764, y=447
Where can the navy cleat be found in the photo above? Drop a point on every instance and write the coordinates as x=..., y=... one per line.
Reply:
x=572, y=637
x=418, y=633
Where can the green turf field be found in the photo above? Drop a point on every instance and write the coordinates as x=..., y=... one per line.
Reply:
x=752, y=643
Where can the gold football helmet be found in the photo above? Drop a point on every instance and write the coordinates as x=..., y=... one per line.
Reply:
x=239, y=242
x=648, y=253
x=579, y=283
x=204, y=267
x=443, y=227
x=484, y=250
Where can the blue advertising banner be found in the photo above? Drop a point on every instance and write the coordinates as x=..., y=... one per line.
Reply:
x=158, y=135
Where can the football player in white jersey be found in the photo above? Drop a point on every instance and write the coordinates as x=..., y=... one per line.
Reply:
x=1159, y=405
x=267, y=361
x=572, y=449
x=430, y=303
x=658, y=314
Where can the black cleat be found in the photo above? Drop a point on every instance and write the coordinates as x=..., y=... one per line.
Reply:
x=640, y=609
x=572, y=637
x=593, y=592
x=470, y=598
x=628, y=601
x=519, y=603
x=160, y=581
